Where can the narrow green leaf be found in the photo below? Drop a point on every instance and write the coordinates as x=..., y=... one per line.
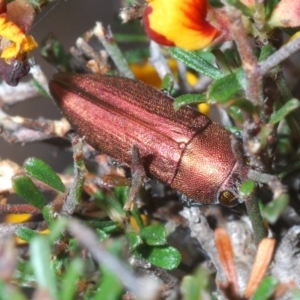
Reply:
x=247, y=188
x=269, y=6
x=266, y=289
x=195, y=62
x=130, y=38
x=154, y=235
x=57, y=228
x=284, y=110
x=133, y=240
x=266, y=51
x=167, y=83
x=289, y=169
x=242, y=7
x=235, y=113
x=25, y=188
x=188, y=99
x=26, y=234
x=274, y=209
x=165, y=257
x=10, y=292
x=223, y=89
x=192, y=286
x=296, y=295
x=40, y=260
x=38, y=169
x=70, y=279
x=110, y=287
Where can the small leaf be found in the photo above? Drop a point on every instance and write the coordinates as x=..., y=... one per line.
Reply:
x=25, y=188
x=266, y=51
x=70, y=279
x=133, y=240
x=192, y=287
x=154, y=235
x=242, y=7
x=223, y=89
x=266, y=289
x=296, y=294
x=40, y=260
x=274, y=209
x=165, y=257
x=269, y=6
x=235, y=113
x=195, y=62
x=110, y=287
x=8, y=292
x=247, y=188
x=167, y=83
x=25, y=234
x=284, y=110
x=38, y=169
x=189, y=99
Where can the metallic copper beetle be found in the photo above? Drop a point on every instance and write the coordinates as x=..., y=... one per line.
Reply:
x=183, y=148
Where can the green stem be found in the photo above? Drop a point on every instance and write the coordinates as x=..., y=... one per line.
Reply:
x=259, y=229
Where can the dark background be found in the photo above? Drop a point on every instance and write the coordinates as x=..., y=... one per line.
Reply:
x=67, y=20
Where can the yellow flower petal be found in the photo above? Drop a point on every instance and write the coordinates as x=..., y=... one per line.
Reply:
x=181, y=23
x=20, y=41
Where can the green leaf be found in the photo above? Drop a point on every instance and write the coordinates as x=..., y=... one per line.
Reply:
x=192, y=286
x=40, y=260
x=195, y=62
x=247, y=188
x=266, y=51
x=133, y=240
x=26, y=234
x=10, y=292
x=284, y=110
x=38, y=169
x=296, y=294
x=242, y=7
x=188, y=99
x=289, y=169
x=235, y=113
x=130, y=38
x=165, y=257
x=167, y=83
x=70, y=279
x=154, y=235
x=274, y=209
x=25, y=188
x=110, y=287
x=269, y=6
x=223, y=89
x=266, y=289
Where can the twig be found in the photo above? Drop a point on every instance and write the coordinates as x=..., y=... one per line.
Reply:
x=16, y=129
x=107, y=40
x=10, y=95
x=9, y=229
x=253, y=88
x=283, y=53
x=160, y=63
x=18, y=209
x=74, y=196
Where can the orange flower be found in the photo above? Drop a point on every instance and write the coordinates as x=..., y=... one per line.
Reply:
x=15, y=20
x=179, y=23
x=20, y=42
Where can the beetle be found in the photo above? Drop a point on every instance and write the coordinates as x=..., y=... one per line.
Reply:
x=183, y=148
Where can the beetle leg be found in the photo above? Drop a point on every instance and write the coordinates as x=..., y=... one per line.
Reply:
x=138, y=177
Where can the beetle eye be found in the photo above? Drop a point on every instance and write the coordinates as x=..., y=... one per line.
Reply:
x=226, y=198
